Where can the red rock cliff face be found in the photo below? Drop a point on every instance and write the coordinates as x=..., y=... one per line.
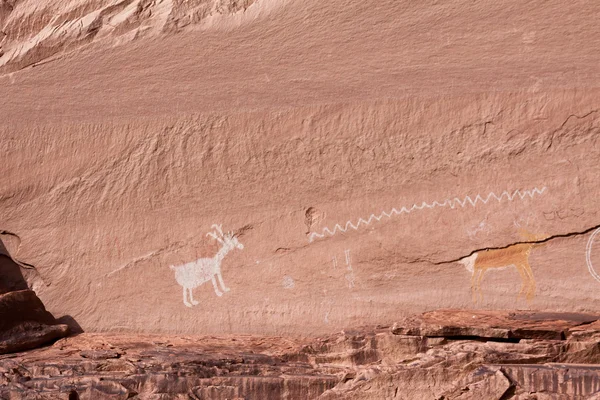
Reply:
x=300, y=166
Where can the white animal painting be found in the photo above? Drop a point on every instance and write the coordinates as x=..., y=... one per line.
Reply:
x=195, y=273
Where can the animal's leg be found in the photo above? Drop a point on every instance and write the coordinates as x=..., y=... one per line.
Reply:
x=185, y=301
x=478, y=285
x=529, y=272
x=524, y=279
x=225, y=288
x=473, y=284
x=214, y=282
x=194, y=302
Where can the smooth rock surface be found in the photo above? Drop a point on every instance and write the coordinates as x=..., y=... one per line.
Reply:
x=372, y=159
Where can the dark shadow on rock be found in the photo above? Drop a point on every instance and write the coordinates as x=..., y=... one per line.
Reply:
x=74, y=327
x=11, y=277
x=24, y=322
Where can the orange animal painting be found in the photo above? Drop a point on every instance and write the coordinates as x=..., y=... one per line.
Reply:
x=513, y=256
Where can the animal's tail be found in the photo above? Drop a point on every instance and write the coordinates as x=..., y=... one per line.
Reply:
x=469, y=262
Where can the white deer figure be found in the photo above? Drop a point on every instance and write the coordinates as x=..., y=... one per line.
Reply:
x=195, y=273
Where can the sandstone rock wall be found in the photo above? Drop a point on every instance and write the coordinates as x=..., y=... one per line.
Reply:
x=448, y=158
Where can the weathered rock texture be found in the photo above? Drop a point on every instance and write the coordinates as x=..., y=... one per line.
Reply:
x=35, y=32
x=373, y=158
x=362, y=364
x=24, y=322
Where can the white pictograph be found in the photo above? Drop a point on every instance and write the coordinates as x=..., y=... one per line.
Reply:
x=328, y=312
x=288, y=282
x=588, y=255
x=350, y=275
x=451, y=203
x=195, y=273
x=482, y=228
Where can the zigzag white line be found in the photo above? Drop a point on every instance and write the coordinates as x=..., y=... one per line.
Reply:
x=452, y=203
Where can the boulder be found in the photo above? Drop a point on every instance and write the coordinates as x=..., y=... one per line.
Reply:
x=25, y=324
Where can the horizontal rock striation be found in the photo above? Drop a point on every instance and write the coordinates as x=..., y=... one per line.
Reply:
x=365, y=363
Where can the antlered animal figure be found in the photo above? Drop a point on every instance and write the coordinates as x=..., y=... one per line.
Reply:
x=195, y=273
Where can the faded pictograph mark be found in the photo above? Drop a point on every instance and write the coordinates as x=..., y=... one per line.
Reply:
x=350, y=275
x=564, y=213
x=195, y=273
x=513, y=256
x=312, y=216
x=288, y=282
x=335, y=263
x=588, y=255
x=450, y=203
x=328, y=312
x=482, y=227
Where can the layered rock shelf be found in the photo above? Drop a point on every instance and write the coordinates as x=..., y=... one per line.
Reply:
x=441, y=355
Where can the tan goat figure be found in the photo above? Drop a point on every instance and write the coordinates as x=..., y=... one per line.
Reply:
x=516, y=255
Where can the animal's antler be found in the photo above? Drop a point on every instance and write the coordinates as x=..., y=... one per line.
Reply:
x=214, y=236
x=218, y=228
